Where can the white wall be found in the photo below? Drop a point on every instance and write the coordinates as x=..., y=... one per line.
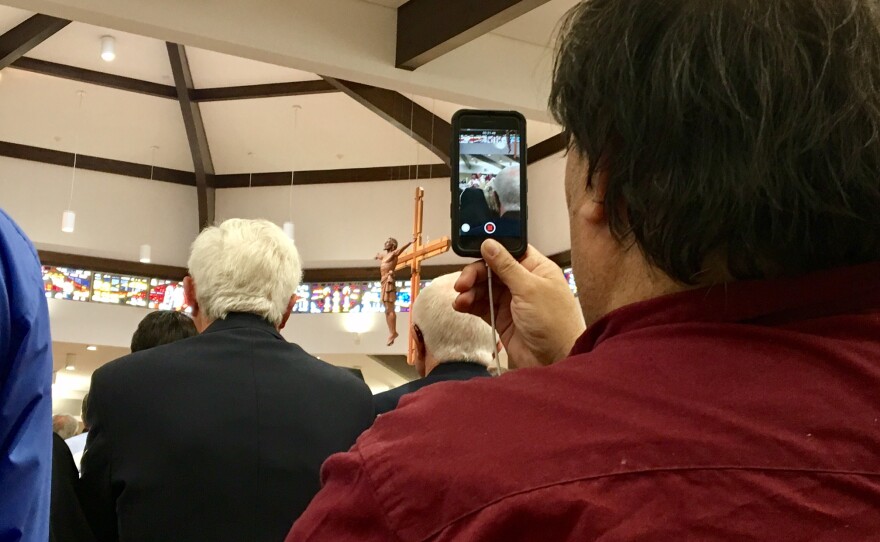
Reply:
x=548, y=213
x=345, y=224
x=114, y=214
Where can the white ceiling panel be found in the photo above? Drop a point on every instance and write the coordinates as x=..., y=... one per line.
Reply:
x=538, y=26
x=536, y=131
x=333, y=132
x=210, y=69
x=12, y=17
x=79, y=45
x=42, y=111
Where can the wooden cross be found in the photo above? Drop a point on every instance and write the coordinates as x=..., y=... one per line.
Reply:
x=414, y=259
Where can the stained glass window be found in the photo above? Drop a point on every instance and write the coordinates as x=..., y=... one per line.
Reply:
x=167, y=295
x=120, y=289
x=67, y=283
x=569, y=276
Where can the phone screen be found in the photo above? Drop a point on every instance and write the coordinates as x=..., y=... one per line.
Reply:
x=489, y=181
x=490, y=184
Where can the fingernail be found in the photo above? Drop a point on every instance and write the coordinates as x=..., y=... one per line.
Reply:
x=490, y=248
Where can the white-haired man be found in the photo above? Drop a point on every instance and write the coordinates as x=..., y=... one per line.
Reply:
x=506, y=187
x=449, y=345
x=219, y=436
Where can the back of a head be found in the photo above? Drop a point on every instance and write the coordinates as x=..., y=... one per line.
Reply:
x=158, y=328
x=742, y=131
x=247, y=266
x=448, y=334
x=64, y=425
x=507, y=186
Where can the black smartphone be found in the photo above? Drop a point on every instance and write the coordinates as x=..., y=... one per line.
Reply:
x=489, y=186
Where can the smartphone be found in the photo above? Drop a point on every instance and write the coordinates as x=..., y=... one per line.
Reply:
x=489, y=186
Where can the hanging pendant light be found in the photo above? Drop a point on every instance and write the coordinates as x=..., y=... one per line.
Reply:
x=108, y=48
x=145, y=250
x=68, y=217
x=68, y=221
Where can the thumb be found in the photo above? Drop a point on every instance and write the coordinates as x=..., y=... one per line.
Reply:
x=503, y=264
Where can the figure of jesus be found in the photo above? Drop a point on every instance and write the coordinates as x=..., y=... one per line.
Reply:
x=387, y=262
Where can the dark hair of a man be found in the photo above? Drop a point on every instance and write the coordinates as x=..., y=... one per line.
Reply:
x=745, y=132
x=162, y=327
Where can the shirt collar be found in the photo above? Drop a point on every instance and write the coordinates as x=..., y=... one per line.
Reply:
x=836, y=291
x=236, y=320
x=458, y=366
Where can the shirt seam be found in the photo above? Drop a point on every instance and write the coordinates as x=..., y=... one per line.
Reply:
x=650, y=471
x=371, y=484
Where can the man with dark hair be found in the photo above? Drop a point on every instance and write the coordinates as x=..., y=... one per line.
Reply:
x=723, y=187
x=162, y=327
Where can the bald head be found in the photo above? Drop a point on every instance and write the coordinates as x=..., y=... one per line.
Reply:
x=506, y=186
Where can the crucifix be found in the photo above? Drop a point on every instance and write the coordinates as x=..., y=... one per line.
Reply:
x=414, y=258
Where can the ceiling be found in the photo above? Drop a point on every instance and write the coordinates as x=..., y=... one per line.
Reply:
x=252, y=135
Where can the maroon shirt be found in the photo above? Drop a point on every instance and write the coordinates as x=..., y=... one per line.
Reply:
x=742, y=412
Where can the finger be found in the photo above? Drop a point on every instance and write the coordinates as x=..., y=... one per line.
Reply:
x=471, y=275
x=509, y=271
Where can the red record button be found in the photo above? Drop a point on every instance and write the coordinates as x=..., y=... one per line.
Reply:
x=489, y=227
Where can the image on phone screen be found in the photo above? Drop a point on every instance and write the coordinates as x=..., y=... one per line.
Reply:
x=489, y=182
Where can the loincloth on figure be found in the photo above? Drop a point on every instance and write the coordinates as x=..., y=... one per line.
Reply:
x=389, y=289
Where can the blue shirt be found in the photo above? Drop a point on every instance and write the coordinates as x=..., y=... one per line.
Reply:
x=25, y=391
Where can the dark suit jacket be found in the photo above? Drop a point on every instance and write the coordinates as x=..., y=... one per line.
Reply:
x=217, y=437
x=454, y=370
x=67, y=523
x=509, y=224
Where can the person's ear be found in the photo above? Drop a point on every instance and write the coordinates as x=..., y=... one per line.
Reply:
x=498, y=347
x=419, y=340
x=585, y=195
x=189, y=294
x=287, y=312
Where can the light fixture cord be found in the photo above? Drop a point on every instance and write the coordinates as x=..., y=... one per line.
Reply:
x=152, y=160
x=412, y=107
x=433, y=116
x=251, y=174
x=75, y=148
x=293, y=165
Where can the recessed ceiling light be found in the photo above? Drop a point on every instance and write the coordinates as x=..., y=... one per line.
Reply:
x=69, y=367
x=108, y=48
x=91, y=347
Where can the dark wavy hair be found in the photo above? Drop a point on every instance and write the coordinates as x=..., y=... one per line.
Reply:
x=745, y=130
x=162, y=327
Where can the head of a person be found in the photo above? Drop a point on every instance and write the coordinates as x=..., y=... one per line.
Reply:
x=162, y=327
x=391, y=244
x=506, y=186
x=491, y=197
x=85, y=412
x=717, y=141
x=64, y=425
x=242, y=266
x=443, y=334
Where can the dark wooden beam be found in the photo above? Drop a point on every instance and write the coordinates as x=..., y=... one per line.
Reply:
x=547, y=148
x=24, y=37
x=427, y=29
x=331, y=176
x=94, y=163
x=195, y=131
x=95, y=77
x=406, y=115
x=271, y=90
x=562, y=259
x=107, y=265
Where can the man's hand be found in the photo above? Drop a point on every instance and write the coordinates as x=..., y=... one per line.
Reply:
x=536, y=314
